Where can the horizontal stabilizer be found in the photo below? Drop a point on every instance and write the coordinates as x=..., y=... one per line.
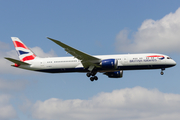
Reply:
x=17, y=61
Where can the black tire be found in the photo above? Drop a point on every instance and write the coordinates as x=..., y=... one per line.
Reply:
x=93, y=74
x=95, y=77
x=92, y=79
x=162, y=73
x=88, y=74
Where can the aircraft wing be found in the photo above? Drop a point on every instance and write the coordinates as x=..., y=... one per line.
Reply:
x=16, y=61
x=86, y=60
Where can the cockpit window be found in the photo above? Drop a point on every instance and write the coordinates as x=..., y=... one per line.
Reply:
x=168, y=58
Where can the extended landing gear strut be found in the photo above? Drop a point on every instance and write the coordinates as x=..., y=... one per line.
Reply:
x=93, y=76
x=162, y=69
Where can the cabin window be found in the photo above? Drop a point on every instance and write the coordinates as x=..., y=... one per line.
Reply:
x=62, y=61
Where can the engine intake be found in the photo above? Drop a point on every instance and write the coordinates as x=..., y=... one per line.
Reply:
x=109, y=63
x=116, y=74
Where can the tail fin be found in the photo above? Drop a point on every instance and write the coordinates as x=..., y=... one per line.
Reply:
x=24, y=52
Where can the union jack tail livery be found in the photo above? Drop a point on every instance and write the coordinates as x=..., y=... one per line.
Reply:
x=23, y=51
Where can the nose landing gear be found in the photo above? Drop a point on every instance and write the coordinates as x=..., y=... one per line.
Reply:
x=162, y=69
x=162, y=73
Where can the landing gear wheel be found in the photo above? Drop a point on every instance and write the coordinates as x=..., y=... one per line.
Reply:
x=162, y=69
x=88, y=74
x=92, y=79
x=162, y=73
x=92, y=75
x=95, y=77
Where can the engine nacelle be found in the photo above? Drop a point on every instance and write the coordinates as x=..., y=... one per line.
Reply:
x=116, y=74
x=109, y=63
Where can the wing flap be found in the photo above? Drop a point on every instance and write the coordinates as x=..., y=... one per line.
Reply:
x=17, y=61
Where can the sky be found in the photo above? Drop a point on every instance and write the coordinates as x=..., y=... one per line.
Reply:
x=96, y=27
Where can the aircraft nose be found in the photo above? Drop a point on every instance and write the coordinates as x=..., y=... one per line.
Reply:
x=173, y=63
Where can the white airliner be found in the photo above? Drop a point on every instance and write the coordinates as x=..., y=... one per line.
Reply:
x=111, y=65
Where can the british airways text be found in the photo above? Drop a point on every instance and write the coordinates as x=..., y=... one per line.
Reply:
x=145, y=60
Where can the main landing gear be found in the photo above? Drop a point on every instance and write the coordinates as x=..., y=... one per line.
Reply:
x=93, y=76
x=162, y=69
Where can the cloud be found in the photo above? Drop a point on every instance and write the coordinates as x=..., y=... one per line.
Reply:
x=153, y=36
x=4, y=46
x=6, y=65
x=128, y=104
x=39, y=52
x=7, y=112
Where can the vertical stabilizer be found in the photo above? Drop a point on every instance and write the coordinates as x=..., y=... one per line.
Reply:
x=23, y=51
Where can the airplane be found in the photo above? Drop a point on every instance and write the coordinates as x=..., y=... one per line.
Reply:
x=110, y=65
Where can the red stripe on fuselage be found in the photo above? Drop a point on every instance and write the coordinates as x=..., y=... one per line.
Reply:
x=19, y=44
x=31, y=57
x=156, y=56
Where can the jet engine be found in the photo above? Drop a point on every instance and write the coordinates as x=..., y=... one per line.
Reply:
x=116, y=74
x=109, y=63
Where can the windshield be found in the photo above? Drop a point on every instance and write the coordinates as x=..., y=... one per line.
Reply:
x=168, y=58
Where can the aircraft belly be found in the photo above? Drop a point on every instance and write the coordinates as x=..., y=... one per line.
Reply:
x=62, y=70
x=142, y=67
